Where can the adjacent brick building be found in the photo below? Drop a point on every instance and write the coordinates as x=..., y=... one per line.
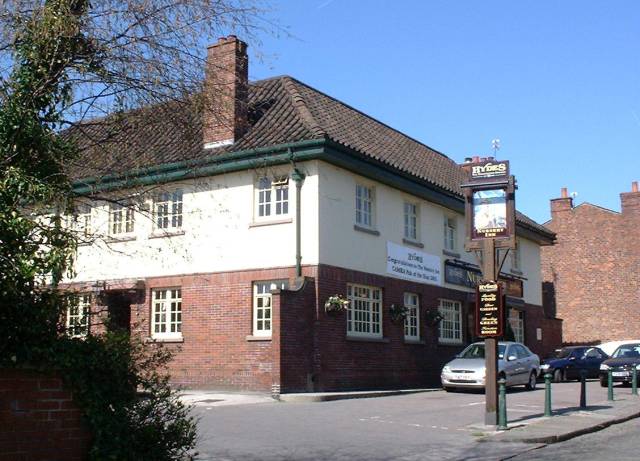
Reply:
x=223, y=236
x=594, y=268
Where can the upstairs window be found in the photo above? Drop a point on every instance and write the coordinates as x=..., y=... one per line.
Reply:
x=167, y=210
x=450, y=233
x=411, y=221
x=120, y=219
x=412, y=320
x=166, y=316
x=516, y=262
x=272, y=197
x=80, y=220
x=78, y=316
x=364, y=206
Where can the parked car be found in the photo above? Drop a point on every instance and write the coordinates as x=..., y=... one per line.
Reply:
x=516, y=363
x=610, y=347
x=621, y=364
x=566, y=363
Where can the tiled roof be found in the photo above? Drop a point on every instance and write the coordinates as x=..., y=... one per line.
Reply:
x=282, y=110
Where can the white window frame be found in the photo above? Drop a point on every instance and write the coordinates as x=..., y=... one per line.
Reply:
x=166, y=313
x=272, y=199
x=168, y=210
x=77, y=322
x=365, y=207
x=364, y=314
x=411, y=221
x=450, y=233
x=516, y=321
x=263, y=305
x=412, y=320
x=516, y=256
x=451, y=323
x=80, y=221
x=121, y=219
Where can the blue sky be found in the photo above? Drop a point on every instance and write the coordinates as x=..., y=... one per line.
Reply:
x=557, y=81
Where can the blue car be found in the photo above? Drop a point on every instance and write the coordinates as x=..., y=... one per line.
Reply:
x=567, y=362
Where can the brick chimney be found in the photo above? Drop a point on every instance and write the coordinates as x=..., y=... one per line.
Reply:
x=226, y=90
x=630, y=201
x=564, y=203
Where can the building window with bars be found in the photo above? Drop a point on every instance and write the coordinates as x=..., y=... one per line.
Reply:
x=365, y=206
x=516, y=321
x=412, y=320
x=411, y=221
x=450, y=233
x=167, y=210
x=450, y=327
x=262, y=305
x=78, y=316
x=272, y=197
x=364, y=314
x=166, y=315
x=121, y=219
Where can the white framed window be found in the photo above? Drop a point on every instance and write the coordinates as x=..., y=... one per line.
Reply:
x=121, y=219
x=272, y=197
x=166, y=314
x=167, y=210
x=516, y=262
x=411, y=221
x=364, y=314
x=80, y=221
x=516, y=321
x=450, y=327
x=412, y=320
x=365, y=206
x=262, y=305
x=450, y=233
x=78, y=316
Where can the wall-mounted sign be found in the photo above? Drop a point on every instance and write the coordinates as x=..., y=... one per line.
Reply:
x=489, y=310
x=489, y=170
x=407, y=263
x=460, y=274
x=489, y=210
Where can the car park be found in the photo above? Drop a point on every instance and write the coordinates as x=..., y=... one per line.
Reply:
x=568, y=362
x=516, y=363
x=621, y=364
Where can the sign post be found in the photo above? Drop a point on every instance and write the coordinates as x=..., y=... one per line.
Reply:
x=490, y=216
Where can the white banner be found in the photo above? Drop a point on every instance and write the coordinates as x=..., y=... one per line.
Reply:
x=410, y=264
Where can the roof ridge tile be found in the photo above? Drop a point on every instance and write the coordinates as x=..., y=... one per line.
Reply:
x=300, y=105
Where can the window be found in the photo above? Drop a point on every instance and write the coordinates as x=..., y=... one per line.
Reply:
x=412, y=320
x=450, y=327
x=364, y=315
x=515, y=256
x=364, y=206
x=450, y=234
x=516, y=321
x=78, y=316
x=80, y=220
x=262, y=318
x=411, y=221
x=120, y=219
x=273, y=197
x=167, y=210
x=166, y=317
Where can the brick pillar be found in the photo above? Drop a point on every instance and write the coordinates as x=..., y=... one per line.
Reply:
x=630, y=201
x=562, y=204
x=276, y=330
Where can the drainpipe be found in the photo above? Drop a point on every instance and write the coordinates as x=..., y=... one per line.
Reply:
x=298, y=177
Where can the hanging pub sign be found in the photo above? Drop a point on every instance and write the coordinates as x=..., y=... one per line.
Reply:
x=489, y=310
x=490, y=169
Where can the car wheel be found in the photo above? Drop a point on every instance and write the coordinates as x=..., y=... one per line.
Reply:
x=558, y=376
x=533, y=380
x=604, y=382
x=447, y=389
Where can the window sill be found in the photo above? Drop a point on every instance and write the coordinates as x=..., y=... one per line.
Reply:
x=413, y=243
x=271, y=222
x=365, y=339
x=450, y=343
x=516, y=271
x=165, y=339
x=258, y=338
x=158, y=234
x=366, y=230
x=417, y=342
x=124, y=238
x=451, y=253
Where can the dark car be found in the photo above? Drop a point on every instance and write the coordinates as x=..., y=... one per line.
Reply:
x=621, y=364
x=567, y=362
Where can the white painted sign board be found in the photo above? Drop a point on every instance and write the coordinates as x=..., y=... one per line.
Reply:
x=410, y=264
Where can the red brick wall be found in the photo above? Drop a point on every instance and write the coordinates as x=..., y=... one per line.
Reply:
x=594, y=270
x=39, y=420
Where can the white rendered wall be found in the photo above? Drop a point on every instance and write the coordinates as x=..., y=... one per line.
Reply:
x=341, y=245
x=219, y=232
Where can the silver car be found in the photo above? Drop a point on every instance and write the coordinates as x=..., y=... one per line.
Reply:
x=516, y=363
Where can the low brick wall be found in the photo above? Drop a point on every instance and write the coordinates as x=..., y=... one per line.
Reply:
x=39, y=420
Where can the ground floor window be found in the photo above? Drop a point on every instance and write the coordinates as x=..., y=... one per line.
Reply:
x=412, y=320
x=262, y=305
x=78, y=316
x=166, y=316
x=516, y=320
x=450, y=327
x=364, y=315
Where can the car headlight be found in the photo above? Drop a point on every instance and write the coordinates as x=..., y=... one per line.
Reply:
x=604, y=367
x=545, y=366
x=446, y=369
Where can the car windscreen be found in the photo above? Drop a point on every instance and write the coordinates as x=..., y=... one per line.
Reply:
x=476, y=351
x=562, y=353
x=627, y=351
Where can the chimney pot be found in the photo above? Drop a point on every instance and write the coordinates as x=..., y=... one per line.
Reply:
x=634, y=186
x=564, y=193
